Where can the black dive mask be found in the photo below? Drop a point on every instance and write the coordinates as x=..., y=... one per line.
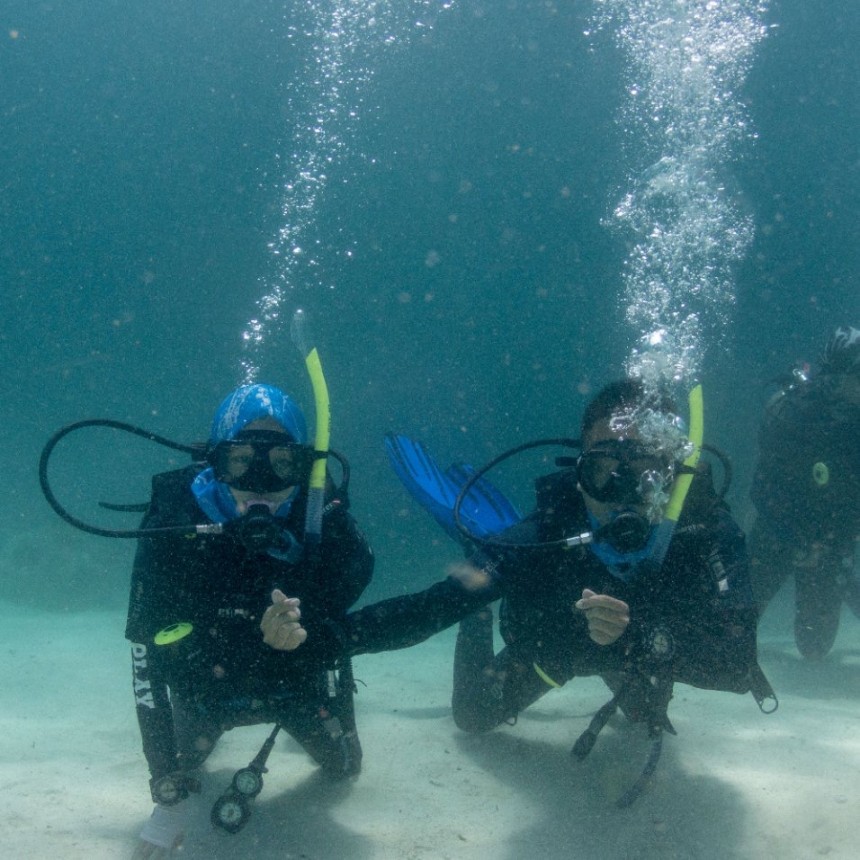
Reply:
x=622, y=472
x=261, y=461
x=626, y=532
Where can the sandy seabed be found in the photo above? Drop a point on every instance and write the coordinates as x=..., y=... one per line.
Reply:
x=733, y=784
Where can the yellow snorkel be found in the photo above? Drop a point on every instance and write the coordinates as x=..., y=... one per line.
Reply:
x=682, y=483
x=316, y=484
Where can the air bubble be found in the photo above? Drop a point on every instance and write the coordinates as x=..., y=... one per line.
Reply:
x=686, y=63
x=344, y=46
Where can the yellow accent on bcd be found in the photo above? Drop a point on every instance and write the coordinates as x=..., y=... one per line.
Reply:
x=544, y=677
x=821, y=474
x=173, y=633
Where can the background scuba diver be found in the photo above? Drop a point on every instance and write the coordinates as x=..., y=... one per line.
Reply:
x=806, y=491
x=582, y=593
x=214, y=636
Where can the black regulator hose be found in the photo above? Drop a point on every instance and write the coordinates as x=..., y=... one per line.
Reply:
x=197, y=451
x=564, y=462
x=476, y=476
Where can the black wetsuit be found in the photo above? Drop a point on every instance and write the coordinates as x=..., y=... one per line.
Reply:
x=699, y=602
x=223, y=674
x=806, y=490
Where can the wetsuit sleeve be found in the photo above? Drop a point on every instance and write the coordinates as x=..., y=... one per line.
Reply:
x=400, y=622
x=407, y=620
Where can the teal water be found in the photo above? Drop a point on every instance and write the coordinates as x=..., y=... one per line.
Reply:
x=464, y=285
x=455, y=256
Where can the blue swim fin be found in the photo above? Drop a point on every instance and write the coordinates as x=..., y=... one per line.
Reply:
x=484, y=511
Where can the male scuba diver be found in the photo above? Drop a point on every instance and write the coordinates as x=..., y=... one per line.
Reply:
x=806, y=490
x=615, y=574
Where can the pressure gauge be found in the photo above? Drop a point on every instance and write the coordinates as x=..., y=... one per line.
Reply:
x=248, y=782
x=231, y=812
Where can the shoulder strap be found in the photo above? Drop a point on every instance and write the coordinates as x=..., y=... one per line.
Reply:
x=702, y=499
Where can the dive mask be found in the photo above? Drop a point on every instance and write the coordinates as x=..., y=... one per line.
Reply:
x=261, y=461
x=623, y=472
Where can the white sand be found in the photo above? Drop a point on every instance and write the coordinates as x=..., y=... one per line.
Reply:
x=732, y=784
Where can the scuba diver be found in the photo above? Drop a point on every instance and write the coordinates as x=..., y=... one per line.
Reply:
x=209, y=617
x=630, y=568
x=216, y=642
x=806, y=491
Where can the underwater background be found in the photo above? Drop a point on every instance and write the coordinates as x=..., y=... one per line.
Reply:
x=483, y=206
x=456, y=265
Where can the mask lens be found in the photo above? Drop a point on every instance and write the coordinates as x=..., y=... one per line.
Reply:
x=264, y=463
x=621, y=473
x=289, y=461
x=596, y=471
x=234, y=461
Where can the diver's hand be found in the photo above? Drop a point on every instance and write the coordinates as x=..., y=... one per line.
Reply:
x=469, y=576
x=162, y=833
x=607, y=616
x=280, y=625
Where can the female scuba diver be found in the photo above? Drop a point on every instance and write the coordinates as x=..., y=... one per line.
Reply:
x=215, y=638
